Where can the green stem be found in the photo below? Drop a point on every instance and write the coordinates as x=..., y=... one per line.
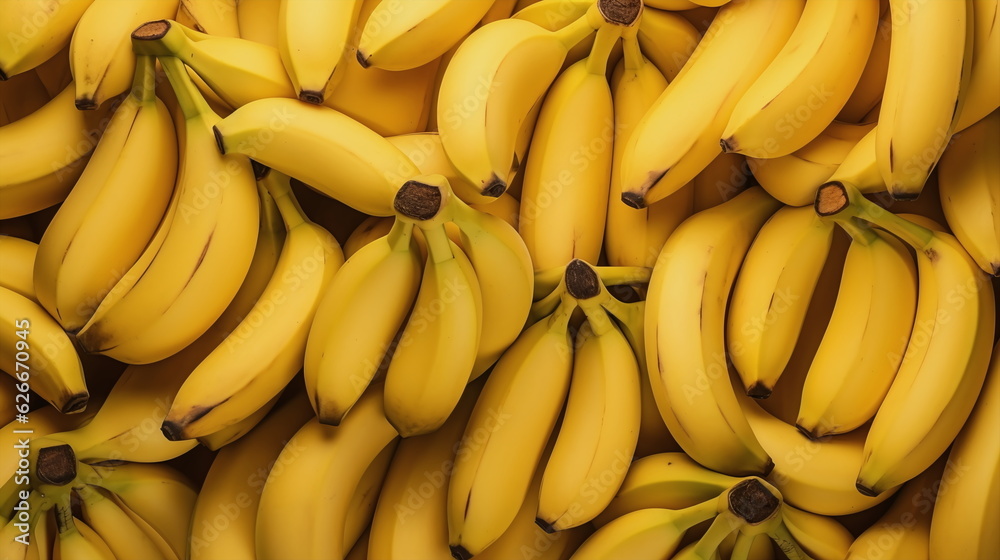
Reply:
x=190, y=99
x=438, y=243
x=604, y=43
x=860, y=207
x=280, y=187
x=634, y=60
x=559, y=320
x=724, y=524
x=618, y=275
x=859, y=230
x=144, y=79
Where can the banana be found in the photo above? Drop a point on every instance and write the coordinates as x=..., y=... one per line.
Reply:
x=258, y=21
x=406, y=35
x=35, y=31
x=347, y=341
x=215, y=17
x=903, y=531
x=724, y=178
x=312, y=37
x=17, y=261
x=679, y=135
x=859, y=167
x=503, y=271
x=21, y=96
x=362, y=170
x=965, y=511
x=510, y=425
x=685, y=339
x=220, y=438
x=100, y=52
x=667, y=40
x=984, y=81
x=234, y=483
x=235, y=70
x=499, y=9
x=645, y=534
x=297, y=518
x=633, y=237
x=260, y=357
x=815, y=476
x=969, y=186
x=44, y=153
x=361, y=508
x=411, y=516
x=772, y=294
x=942, y=369
x=115, y=527
x=822, y=537
x=42, y=422
x=807, y=84
x=871, y=322
x=75, y=539
x=427, y=153
x=36, y=352
x=794, y=178
x=489, y=88
x=113, y=211
x=438, y=345
x=568, y=171
x=868, y=92
x=204, y=256
x=369, y=230
x=920, y=109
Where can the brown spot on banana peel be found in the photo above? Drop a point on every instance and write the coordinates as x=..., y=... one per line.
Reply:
x=56, y=465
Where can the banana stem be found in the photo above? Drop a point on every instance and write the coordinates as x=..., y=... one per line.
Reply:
x=280, y=187
x=438, y=243
x=547, y=305
x=693, y=515
x=607, y=35
x=144, y=79
x=597, y=316
x=547, y=280
x=744, y=542
x=400, y=236
x=634, y=60
x=617, y=275
x=723, y=524
x=559, y=320
x=192, y=102
x=839, y=201
x=64, y=515
x=580, y=29
x=787, y=543
x=859, y=230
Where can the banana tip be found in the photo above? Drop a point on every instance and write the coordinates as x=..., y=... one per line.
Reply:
x=903, y=195
x=3, y=76
x=759, y=391
x=219, y=141
x=866, y=490
x=458, y=552
x=728, y=145
x=310, y=96
x=172, y=430
x=76, y=403
x=545, y=525
x=86, y=104
x=362, y=59
x=633, y=200
x=495, y=187
x=809, y=434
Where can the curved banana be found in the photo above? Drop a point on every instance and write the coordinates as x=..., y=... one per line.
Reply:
x=35, y=31
x=312, y=38
x=237, y=70
x=965, y=511
x=645, y=534
x=679, y=135
x=347, y=341
x=667, y=40
x=17, y=263
x=945, y=361
x=868, y=92
x=438, y=345
x=113, y=211
x=568, y=171
x=44, y=153
x=859, y=167
x=215, y=17
x=258, y=21
x=234, y=483
x=921, y=108
x=685, y=334
x=489, y=87
x=36, y=352
x=822, y=537
x=367, y=492
x=807, y=83
x=871, y=323
x=772, y=294
x=362, y=170
x=220, y=438
x=969, y=186
x=514, y=418
x=115, y=527
x=100, y=52
x=406, y=35
x=204, y=256
x=297, y=518
x=260, y=357
x=75, y=540
x=427, y=153
x=724, y=178
x=984, y=81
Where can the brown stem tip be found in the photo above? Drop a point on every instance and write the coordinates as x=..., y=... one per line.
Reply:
x=545, y=525
x=458, y=552
x=151, y=30
x=259, y=169
x=752, y=501
x=495, y=187
x=362, y=59
x=621, y=12
x=418, y=201
x=759, y=391
x=56, y=465
x=831, y=198
x=634, y=200
x=76, y=403
x=582, y=281
x=309, y=96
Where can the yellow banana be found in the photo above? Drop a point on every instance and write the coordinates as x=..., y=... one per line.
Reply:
x=312, y=37
x=984, y=80
x=215, y=17
x=868, y=92
x=35, y=31
x=17, y=261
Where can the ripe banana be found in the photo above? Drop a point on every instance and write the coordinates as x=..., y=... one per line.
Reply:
x=568, y=171
x=822, y=537
x=258, y=21
x=75, y=539
x=215, y=17
x=161, y=306
x=645, y=534
x=685, y=339
x=942, y=369
x=513, y=419
x=17, y=261
x=35, y=31
x=100, y=51
x=679, y=135
x=312, y=37
x=969, y=185
x=260, y=357
x=868, y=92
x=984, y=80
x=362, y=169
x=965, y=511
x=115, y=527
x=920, y=109
x=36, y=352
x=113, y=211
x=489, y=88
x=406, y=35
x=871, y=323
x=807, y=83
x=772, y=294
x=667, y=39
x=724, y=178
x=234, y=483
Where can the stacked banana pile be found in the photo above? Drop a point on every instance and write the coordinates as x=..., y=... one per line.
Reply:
x=500, y=279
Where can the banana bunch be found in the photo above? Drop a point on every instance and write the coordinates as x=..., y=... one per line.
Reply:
x=440, y=323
